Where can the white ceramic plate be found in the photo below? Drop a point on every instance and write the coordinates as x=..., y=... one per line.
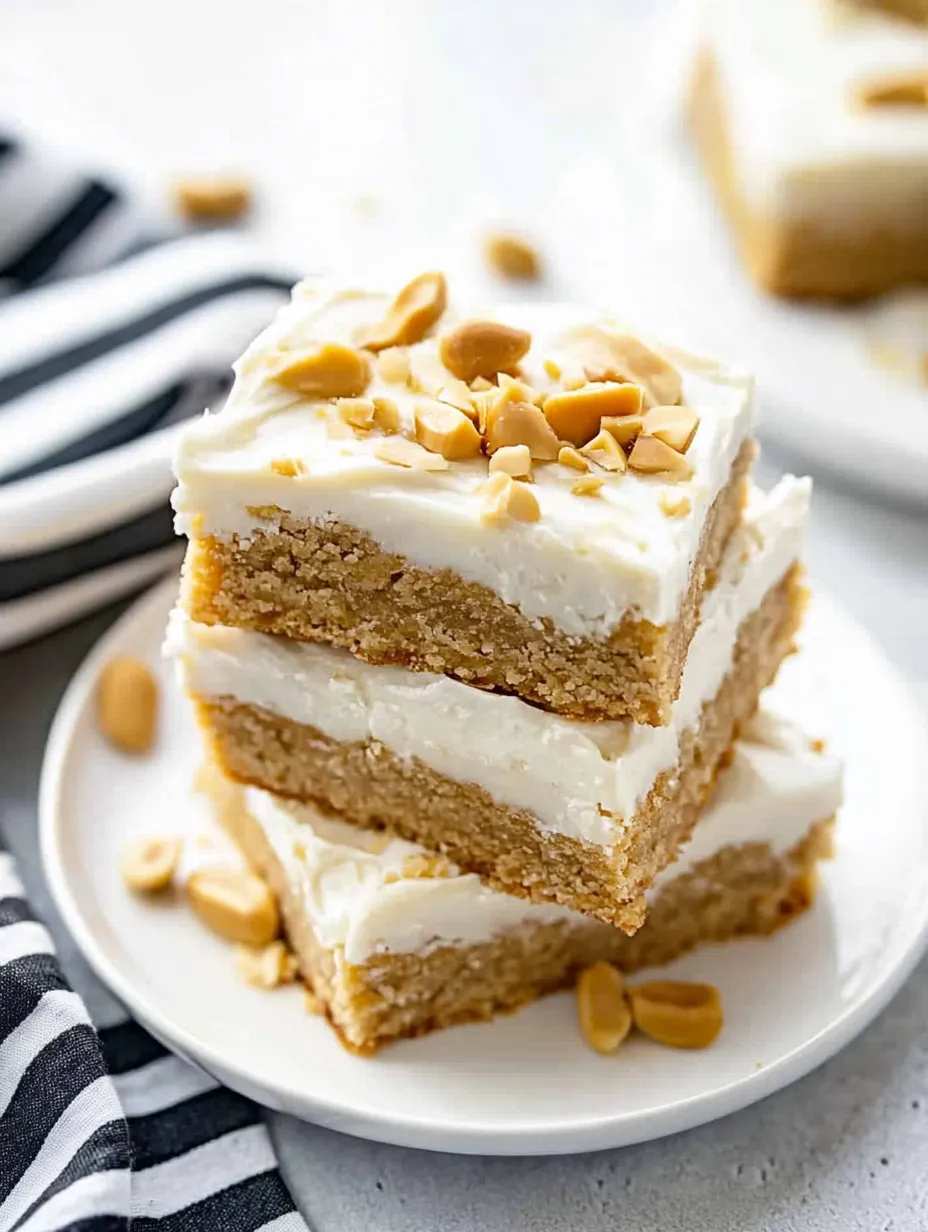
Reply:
x=525, y=1084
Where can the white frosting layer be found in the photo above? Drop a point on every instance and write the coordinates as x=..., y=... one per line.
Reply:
x=578, y=779
x=584, y=564
x=791, y=71
x=357, y=897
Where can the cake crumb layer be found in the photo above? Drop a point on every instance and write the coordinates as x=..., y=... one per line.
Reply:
x=333, y=584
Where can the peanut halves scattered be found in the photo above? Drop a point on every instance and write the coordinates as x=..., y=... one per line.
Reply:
x=148, y=864
x=127, y=704
x=672, y=1012
x=235, y=904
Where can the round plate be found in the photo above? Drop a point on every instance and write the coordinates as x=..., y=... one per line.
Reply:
x=526, y=1083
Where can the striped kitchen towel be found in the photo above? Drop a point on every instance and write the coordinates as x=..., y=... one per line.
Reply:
x=107, y=341
x=107, y=1131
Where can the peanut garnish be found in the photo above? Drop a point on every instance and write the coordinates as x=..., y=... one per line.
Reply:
x=620, y=357
x=552, y=369
x=606, y=452
x=127, y=704
x=674, y=425
x=213, y=199
x=602, y=1010
x=512, y=257
x=587, y=485
x=357, y=412
x=652, y=456
x=393, y=365
x=458, y=395
x=624, y=428
x=568, y=456
x=507, y=497
x=674, y=505
x=482, y=348
x=480, y=384
x=515, y=460
x=682, y=1015
x=902, y=90
x=576, y=414
x=235, y=904
x=148, y=865
x=519, y=423
x=268, y=967
x=412, y=314
x=329, y=370
x=401, y=452
x=443, y=429
x=386, y=414
x=290, y=467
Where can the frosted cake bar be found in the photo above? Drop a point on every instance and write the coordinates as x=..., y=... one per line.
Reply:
x=529, y=500
x=812, y=118
x=396, y=942
x=553, y=809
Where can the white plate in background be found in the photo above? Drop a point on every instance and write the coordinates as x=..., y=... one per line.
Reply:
x=526, y=1083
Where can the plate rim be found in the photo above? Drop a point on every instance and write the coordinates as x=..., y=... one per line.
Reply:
x=598, y=1133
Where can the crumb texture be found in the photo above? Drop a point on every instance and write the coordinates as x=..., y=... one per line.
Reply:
x=742, y=890
x=368, y=785
x=334, y=584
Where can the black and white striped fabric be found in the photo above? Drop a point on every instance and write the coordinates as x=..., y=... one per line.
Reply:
x=107, y=1131
x=107, y=341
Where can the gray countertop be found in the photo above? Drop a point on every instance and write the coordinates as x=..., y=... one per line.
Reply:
x=846, y=1148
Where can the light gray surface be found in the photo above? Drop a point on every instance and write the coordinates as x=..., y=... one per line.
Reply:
x=846, y=1148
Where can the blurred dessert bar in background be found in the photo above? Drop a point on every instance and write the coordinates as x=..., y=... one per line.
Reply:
x=812, y=120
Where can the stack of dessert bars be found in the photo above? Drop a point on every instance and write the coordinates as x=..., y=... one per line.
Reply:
x=476, y=613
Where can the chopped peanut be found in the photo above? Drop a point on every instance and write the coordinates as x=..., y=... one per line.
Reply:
x=148, y=865
x=682, y=1015
x=412, y=314
x=624, y=428
x=393, y=365
x=606, y=452
x=587, y=485
x=552, y=369
x=602, y=1010
x=568, y=456
x=443, y=429
x=576, y=414
x=386, y=414
x=357, y=412
x=401, y=452
x=620, y=357
x=652, y=456
x=674, y=425
x=328, y=370
x=235, y=904
x=512, y=257
x=483, y=348
x=290, y=467
x=127, y=704
x=458, y=395
x=515, y=460
x=267, y=967
x=519, y=423
x=507, y=497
